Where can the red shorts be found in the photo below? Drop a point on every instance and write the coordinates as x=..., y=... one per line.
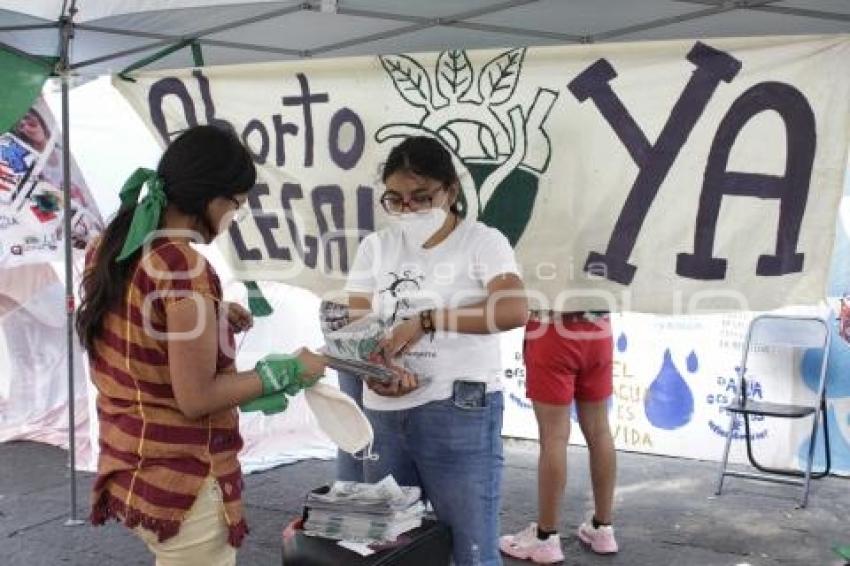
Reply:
x=568, y=358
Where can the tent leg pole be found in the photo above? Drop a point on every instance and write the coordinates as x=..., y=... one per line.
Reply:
x=65, y=36
x=69, y=297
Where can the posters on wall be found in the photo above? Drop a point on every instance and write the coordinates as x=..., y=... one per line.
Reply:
x=31, y=198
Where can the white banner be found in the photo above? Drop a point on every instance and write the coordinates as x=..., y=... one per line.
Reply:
x=31, y=198
x=666, y=177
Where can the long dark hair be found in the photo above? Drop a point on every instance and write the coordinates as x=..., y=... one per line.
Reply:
x=426, y=157
x=203, y=163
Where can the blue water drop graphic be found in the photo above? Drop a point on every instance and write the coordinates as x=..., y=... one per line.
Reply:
x=622, y=342
x=837, y=368
x=669, y=403
x=839, y=447
x=693, y=362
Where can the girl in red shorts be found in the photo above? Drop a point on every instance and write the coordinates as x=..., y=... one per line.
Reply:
x=568, y=356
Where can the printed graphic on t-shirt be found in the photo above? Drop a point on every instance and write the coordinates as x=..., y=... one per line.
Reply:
x=402, y=290
x=403, y=296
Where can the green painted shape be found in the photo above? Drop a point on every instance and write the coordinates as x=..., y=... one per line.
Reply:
x=509, y=209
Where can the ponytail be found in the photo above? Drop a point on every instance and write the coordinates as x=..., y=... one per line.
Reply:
x=105, y=281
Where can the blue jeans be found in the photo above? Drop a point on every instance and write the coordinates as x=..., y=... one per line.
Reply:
x=349, y=468
x=455, y=456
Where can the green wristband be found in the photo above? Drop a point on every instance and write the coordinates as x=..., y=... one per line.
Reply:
x=280, y=373
x=269, y=404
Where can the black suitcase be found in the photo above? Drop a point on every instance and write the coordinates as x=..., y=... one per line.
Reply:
x=428, y=545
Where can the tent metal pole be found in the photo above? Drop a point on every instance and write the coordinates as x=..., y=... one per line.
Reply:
x=66, y=31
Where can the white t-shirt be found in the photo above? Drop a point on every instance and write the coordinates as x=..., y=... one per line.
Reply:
x=404, y=280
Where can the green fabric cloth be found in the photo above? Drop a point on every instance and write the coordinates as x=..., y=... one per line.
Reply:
x=148, y=210
x=23, y=79
x=268, y=404
x=843, y=551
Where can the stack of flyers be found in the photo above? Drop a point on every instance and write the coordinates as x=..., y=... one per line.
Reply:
x=363, y=512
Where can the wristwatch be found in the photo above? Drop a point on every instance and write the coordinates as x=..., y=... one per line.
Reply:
x=426, y=321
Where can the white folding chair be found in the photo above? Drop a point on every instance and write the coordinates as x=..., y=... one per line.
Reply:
x=790, y=332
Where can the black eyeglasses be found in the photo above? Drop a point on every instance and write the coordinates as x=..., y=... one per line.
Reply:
x=241, y=212
x=420, y=200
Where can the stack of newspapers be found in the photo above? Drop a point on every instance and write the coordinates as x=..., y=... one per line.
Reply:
x=363, y=512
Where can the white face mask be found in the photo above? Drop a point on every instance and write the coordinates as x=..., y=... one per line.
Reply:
x=341, y=419
x=418, y=227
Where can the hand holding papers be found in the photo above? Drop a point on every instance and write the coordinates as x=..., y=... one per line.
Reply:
x=353, y=348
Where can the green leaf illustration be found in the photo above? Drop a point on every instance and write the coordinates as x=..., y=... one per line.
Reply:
x=409, y=78
x=499, y=77
x=454, y=74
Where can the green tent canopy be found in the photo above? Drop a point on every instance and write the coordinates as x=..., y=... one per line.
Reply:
x=23, y=79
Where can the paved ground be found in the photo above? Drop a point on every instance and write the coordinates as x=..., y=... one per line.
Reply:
x=666, y=513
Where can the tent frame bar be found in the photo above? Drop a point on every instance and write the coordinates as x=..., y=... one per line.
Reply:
x=30, y=27
x=661, y=22
x=767, y=7
x=806, y=13
x=19, y=53
x=197, y=35
x=176, y=39
x=369, y=38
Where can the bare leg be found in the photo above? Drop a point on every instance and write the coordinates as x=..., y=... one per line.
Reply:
x=593, y=420
x=553, y=422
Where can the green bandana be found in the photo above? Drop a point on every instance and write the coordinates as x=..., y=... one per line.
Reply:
x=257, y=303
x=146, y=216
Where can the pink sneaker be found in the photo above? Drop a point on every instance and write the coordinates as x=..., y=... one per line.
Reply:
x=601, y=540
x=526, y=546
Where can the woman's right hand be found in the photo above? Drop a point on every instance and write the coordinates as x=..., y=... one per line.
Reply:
x=314, y=365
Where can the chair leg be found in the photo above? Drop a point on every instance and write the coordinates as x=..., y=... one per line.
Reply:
x=810, y=459
x=827, y=453
x=725, y=458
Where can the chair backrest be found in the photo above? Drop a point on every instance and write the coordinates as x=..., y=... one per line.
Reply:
x=788, y=331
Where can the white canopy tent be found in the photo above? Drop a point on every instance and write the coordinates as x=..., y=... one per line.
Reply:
x=97, y=37
x=108, y=36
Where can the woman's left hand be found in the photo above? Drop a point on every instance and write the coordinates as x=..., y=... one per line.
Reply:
x=401, y=338
x=239, y=317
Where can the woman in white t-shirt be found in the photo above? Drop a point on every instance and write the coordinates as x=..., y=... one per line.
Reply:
x=446, y=287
